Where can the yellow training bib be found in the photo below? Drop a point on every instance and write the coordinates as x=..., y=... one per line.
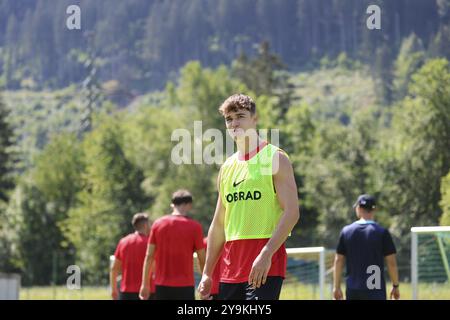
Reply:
x=252, y=210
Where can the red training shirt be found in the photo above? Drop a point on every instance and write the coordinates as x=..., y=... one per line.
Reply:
x=238, y=255
x=176, y=238
x=131, y=252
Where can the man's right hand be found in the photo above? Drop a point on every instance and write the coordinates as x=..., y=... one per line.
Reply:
x=395, y=293
x=337, y=294
x=204, y=287
x=144, y=293
x=115, y=295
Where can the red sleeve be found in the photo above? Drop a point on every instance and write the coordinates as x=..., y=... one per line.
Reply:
x=153, y=231
x=118, y=252
x=198, y=241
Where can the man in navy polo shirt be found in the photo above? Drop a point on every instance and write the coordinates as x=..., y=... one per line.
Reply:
x=364, y=246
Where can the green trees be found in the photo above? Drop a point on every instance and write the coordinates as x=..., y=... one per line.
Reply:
x=111, y=194
x=422, y=144
x=195, y=97
x=6, y=184
x=6, y=142
x=297, y=132
x=415, y=152
x=265, y=74
x=82, y=190
x=337, y=169
x=57, y=171
x=410, y=58
x=39, y=203
x=445, y=201
x=144, y=42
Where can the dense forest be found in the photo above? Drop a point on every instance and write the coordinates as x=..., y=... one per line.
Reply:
x=143, y=43
x=86, y=116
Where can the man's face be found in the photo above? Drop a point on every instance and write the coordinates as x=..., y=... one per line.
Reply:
x=239, y=123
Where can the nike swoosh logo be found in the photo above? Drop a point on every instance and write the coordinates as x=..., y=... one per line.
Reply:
x=236, y=184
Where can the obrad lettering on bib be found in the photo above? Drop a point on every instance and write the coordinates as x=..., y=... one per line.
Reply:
x=243, y=196
x=252, y=210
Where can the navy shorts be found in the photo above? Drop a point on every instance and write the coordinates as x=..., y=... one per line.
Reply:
x=174, y=293
x=365, y=294
x=243, y=291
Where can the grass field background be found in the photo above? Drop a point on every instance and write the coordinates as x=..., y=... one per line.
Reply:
x=289, y=292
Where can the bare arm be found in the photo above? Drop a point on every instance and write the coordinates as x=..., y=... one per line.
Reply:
x=339, y=261
x=391, y=263
x=148, y=263
x=216, y=234
x=116, y=269
x=216, y=240
x=286, y=190
x=201, y=256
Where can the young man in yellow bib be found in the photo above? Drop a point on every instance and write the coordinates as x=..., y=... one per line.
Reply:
x=256, y=210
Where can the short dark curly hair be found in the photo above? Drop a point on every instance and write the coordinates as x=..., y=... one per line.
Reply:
x=236, y=102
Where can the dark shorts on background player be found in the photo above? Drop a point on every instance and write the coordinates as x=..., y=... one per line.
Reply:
x=243, y=291
x=133, y=296
x=174, y=293
x=129, y=296
x=365, y=294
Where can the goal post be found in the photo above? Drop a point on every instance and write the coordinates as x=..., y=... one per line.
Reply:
x=9, y=286
x=430, y=255
x=308, y=274
x=303, y=254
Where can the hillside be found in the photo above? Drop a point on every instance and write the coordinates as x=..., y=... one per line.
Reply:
x=36, y=116
x=143, y=43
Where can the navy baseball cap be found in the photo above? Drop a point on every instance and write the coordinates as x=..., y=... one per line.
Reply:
x=365, y=201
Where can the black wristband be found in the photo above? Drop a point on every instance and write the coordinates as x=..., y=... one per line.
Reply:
x=395, y=285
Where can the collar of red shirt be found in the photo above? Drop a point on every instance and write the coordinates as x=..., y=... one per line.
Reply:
x=252, y=153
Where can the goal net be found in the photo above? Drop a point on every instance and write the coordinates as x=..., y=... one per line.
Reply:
x=430, y=260
x=309, y=274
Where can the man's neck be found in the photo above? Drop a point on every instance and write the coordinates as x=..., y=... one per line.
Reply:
x=248, y=144
x=177, y=212
x=366, y=217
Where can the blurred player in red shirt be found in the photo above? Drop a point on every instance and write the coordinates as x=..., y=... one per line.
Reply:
x=173, y=240
x=129, y=260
